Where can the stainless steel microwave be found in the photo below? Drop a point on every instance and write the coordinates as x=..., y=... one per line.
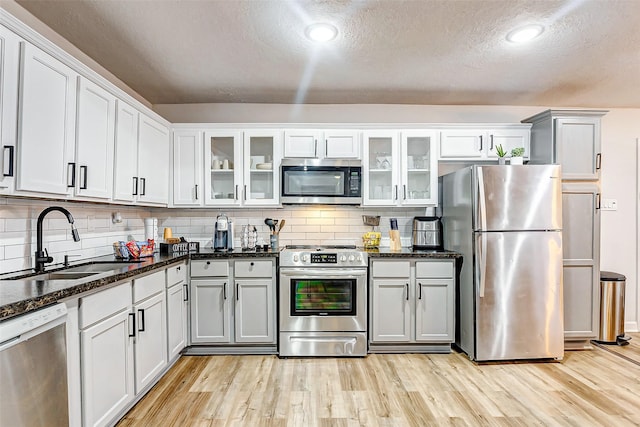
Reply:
x=306, y=181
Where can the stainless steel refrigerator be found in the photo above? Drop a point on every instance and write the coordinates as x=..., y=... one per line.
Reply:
x=507, y=223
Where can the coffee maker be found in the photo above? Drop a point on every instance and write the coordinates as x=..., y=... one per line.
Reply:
x=223, y=234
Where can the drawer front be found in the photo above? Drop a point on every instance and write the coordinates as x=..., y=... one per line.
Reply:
x=209, y=268
x=436, y=269
x=176, y=274
x=104, y=304
x=253, y=269
x=391, y=268
x=149, y=285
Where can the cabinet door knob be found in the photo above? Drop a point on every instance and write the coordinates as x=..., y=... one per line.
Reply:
x=208, y=262
x=251, y=264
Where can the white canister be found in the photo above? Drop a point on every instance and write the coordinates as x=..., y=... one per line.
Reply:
x=151, y=228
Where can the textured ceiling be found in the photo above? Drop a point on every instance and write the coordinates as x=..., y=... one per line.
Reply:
x=387, y=52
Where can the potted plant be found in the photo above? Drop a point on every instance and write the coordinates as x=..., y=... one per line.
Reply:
x=501, y=153
x=516, y=156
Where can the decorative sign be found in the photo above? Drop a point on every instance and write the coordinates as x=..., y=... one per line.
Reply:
x=172, y=248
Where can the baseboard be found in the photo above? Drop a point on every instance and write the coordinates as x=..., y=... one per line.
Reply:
x=631, y=326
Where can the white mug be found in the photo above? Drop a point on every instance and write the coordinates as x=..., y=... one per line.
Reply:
x=215, y=164
x=225, y=164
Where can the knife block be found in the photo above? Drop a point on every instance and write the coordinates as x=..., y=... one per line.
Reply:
x=394, y=240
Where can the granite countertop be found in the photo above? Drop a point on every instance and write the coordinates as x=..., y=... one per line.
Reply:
x=26, y=294
x=410, y=253
x=23, y=295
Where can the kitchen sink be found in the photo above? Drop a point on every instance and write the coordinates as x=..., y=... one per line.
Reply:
x=63, y=275
x=99, y=267
x=80, y=271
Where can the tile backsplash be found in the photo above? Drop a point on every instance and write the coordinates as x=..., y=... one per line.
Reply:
x=304, y=225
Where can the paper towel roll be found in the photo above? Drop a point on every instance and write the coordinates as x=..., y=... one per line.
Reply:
x=151, y=228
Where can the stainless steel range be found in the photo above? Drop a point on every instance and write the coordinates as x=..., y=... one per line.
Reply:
x=323, y=301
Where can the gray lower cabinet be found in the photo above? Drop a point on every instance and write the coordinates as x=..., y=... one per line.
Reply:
x=581, y=261
x=233, y=306
x=411, y=305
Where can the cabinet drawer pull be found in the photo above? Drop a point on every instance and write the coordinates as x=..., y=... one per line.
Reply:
x=196, y=191
x=73, y=175
x=186, y=292
x=480, y=143
x=491, y=142
x=143, y=184
x=237, y=294
x=83, y=174
x=598, y=161
x=224, y=291
x=9, y=163
x=407, y=285
x=419, y=290
x=132, y=325
x=597, y=201
x=135, y=185
x=141, y=322
x=404, y=192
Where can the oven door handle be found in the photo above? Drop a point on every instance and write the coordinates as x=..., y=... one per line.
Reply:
x=324, y=274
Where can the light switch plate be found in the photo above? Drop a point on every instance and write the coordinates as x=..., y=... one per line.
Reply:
x=609, y=205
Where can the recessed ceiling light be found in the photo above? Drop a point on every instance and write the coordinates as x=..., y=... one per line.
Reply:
x=321, y=32
x=524, y=34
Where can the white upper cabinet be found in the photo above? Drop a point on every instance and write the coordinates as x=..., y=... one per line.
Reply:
x=95, y=141
x=400, y=168
x=328, y=144
x=261, y=163
x=153, y=161
x=187, y=168
x=241, y=168
x=9, y=69
x=419, y=168
x=46, y=131
x=222, y=160
x=141, y=160
x=125, y=176
x=480, y=143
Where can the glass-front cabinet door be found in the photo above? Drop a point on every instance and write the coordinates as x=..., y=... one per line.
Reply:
x=419, y=168
x=380, y=168
x=223, y=166
x=261, y=161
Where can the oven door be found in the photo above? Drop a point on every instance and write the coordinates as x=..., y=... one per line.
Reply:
x=331, y=299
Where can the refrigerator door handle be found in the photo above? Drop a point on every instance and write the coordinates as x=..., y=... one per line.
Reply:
x=482, y=261
x=481, y=201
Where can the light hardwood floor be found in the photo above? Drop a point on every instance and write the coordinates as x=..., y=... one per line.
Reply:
x=587, y=388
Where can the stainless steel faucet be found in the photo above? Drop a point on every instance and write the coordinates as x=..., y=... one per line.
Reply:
x=42, y=256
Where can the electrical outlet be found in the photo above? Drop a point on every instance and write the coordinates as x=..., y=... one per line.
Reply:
x=609, y=205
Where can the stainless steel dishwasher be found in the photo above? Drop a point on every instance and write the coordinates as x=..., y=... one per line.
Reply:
x=33, y=369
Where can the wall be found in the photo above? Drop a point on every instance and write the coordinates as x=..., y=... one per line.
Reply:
x=339, y=225
x=620, y=129
x=18, y=219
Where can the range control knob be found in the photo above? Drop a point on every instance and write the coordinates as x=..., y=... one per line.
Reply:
x=305, y=257
x=351, y=258
x=296, y=258
x=343, y=258
x=359, y=258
